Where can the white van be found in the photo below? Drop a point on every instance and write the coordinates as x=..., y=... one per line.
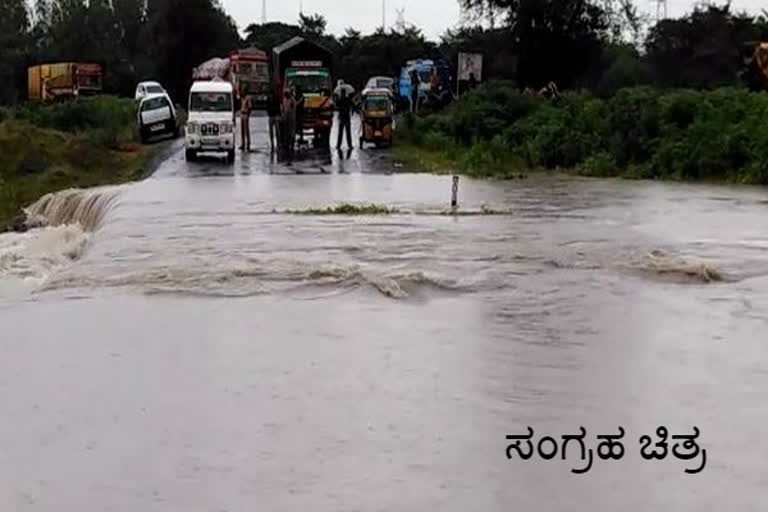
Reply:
x=210, y=124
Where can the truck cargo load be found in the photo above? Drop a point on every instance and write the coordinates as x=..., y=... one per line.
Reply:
x=212, y=69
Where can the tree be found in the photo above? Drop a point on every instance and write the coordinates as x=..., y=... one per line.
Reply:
x=269, y=35
x=181, y=34
x=701, y=50
x=313, y=24
x=14, y=46
x=554, y=39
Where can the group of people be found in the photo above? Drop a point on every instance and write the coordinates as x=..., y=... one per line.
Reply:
x=284, y=114
x=435, y=87
x=286, y=119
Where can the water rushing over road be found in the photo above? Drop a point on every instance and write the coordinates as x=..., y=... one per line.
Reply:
x=194, y=347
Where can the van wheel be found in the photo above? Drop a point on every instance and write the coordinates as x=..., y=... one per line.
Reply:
x=190, y=155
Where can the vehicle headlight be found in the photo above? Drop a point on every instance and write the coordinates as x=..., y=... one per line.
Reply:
x=193, y=127
x=227, y=127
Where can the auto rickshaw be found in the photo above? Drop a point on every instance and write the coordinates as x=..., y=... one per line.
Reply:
x=377, y=117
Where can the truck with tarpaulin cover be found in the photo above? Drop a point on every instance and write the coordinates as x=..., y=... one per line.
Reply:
x=308, y=67
x=62, y=80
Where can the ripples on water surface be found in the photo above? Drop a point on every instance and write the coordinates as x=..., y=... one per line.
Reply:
x=187, y=375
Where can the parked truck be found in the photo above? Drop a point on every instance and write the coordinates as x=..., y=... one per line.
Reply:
x=308, y=67
x=250, y=71
x=61, y=80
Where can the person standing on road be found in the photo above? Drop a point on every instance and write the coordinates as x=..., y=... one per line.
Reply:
x=273, y=112
x=344, y=106
x=299, y=99
x=245, y=121
x=288, y=121
x=414, y=90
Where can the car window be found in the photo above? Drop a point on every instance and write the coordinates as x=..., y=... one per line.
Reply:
x=154, y=104
x=155, y=89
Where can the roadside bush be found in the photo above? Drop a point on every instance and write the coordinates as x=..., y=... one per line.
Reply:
x=640, y=132
x=600, y=165
x=108, y=117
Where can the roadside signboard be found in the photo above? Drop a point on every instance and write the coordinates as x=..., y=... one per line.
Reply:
x=470, y=63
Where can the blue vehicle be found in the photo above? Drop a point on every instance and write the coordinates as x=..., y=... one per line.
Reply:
x=425, y=68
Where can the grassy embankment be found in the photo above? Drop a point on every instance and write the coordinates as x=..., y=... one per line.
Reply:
x=83, y=143
x=640, y=133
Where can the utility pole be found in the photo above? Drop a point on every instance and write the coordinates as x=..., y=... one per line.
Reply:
x=383, y=15
x=263, y=12
x=661, y=10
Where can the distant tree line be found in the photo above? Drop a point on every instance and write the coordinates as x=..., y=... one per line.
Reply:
x=601, y=45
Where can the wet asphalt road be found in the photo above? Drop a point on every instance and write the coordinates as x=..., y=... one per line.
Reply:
x=203, y=351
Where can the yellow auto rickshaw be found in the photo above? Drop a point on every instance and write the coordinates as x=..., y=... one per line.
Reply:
x=377, y=117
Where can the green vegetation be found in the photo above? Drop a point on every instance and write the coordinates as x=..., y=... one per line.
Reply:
x=83, y=143
x=638, y=133
x=346, y=209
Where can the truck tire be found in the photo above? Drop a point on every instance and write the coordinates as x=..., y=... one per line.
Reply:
x=190, y=155
x=231, y=157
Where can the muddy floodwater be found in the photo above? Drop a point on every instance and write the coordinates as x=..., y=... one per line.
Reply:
x=186, y=344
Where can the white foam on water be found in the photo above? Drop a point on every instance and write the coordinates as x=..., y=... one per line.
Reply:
x=28, y=259
x=67, y=218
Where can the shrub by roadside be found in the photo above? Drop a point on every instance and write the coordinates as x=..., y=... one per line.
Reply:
x=639, y=133
x=83, y=143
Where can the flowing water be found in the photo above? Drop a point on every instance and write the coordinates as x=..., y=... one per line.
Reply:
x=187, y=343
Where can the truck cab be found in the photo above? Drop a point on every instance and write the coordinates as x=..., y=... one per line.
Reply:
x=210, y=124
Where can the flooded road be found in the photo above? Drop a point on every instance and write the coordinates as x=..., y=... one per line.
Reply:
x=196, y=347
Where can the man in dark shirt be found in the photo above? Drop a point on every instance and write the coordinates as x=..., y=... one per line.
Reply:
x=472, y=81
x=415, y=81
x=344, y=106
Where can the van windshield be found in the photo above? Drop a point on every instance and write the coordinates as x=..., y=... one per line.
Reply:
x=210, y=102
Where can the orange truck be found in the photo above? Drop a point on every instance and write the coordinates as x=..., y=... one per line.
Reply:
x=250, y=71
x=61, y=80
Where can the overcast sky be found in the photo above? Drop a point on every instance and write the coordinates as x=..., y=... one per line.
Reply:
x=433, y=16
